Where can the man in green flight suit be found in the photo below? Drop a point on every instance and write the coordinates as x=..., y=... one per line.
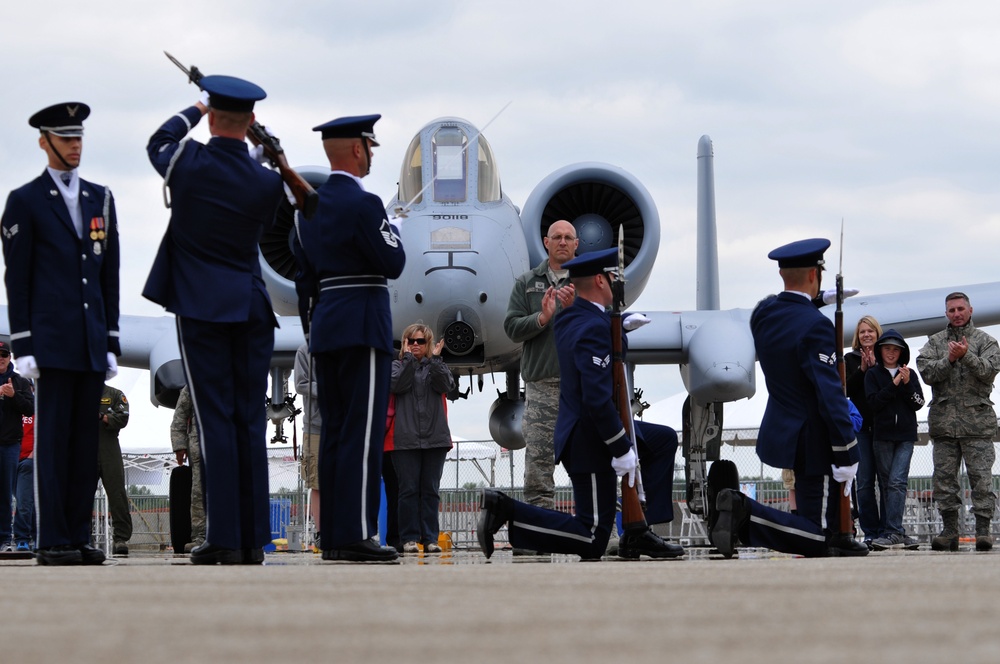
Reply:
x=114, y=416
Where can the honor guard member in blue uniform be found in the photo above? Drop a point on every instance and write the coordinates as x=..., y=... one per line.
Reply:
x=806, y=426
x=60, y=243
x=590, y=440
x=345, y=254
x=207, y=274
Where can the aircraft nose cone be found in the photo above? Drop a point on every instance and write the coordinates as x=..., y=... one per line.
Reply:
x=728, y=378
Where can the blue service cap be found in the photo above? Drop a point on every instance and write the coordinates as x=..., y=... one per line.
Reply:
x=804, y=253
x=65, y=119
x=592, y=262
x=228, y=93
x=354, y=126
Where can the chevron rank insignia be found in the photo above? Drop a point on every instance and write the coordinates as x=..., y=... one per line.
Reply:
x=828, y=359
x=10, y=232
x=602, y=363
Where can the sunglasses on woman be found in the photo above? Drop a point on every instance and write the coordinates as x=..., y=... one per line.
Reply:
x=419, y=342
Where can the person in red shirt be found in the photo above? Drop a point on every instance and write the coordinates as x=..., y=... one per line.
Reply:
x=24, y=494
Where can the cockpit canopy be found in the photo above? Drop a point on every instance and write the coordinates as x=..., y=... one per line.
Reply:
x=448, y=165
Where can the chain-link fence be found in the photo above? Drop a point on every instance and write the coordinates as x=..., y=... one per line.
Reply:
x=473, y=465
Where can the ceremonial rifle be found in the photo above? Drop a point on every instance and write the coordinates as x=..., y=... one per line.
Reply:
x=306, y=197
x=633, y=518
x=846, y=519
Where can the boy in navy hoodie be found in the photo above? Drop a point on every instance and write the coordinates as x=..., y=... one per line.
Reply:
x=894, y=394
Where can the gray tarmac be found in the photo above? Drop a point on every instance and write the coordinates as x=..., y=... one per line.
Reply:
x=763, y=607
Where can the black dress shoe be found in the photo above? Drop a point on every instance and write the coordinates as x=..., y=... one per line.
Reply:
x=364, y=551
x=90, y=555
x=733, y=517
x=497, y=510
x=59, y=555
x=647, y=543
x=722, y=475
x=208, y=554
x=253, y=556
x=843, y=544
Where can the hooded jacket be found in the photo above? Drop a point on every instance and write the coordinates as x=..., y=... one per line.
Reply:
x=894, y=407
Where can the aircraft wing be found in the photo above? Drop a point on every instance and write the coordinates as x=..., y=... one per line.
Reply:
x=150, y=342
x=919, y=313
x=716, y=352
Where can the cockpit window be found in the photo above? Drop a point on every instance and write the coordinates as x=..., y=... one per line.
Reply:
x=451, y=172
x=489, y=175
x=411, y=176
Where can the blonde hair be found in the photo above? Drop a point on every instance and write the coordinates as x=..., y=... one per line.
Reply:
x=872, y=323
x=409, y=332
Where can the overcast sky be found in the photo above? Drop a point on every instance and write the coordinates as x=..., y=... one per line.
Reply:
x=880, y=113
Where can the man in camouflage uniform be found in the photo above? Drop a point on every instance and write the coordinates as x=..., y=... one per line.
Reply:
x=114, y=416
x=960, y=364
x=184, y=440
x=538, y=295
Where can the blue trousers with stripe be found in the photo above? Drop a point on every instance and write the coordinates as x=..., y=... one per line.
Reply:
x=657, y=447
x=66, y=435
x=353, y=385
x=227, y=366
x=806, y=533
x=584, y=533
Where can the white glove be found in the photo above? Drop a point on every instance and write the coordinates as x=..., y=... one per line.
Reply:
x=289, y=195
x=635, y=321
x=204, y=98
x=625, y=465
x=257, y=154
x=112, y=366
x=830, y=295
x=26, y=366
x=845, y=475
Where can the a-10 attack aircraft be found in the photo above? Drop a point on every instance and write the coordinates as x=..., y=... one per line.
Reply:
x=465, y=244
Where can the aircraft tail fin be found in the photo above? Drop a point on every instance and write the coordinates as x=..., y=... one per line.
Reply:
x=707, y=295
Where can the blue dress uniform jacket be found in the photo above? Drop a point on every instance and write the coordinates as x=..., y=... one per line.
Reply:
x=589, y=430
x=207, y=266
x=207, y=273
x=806, y=424
x=346, y=252
x=62, y=292
x=345, y=258
x=66, y=317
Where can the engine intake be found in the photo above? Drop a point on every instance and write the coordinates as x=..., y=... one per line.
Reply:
x=598, y=199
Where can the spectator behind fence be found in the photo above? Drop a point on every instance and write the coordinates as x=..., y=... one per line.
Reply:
x=857, y=362
x=24, y=518
x=960, y=364
x=895, y=396
x=421, y=437
x=312, y=426
x=186, y=444
x=113, y=414
x=16, y=400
